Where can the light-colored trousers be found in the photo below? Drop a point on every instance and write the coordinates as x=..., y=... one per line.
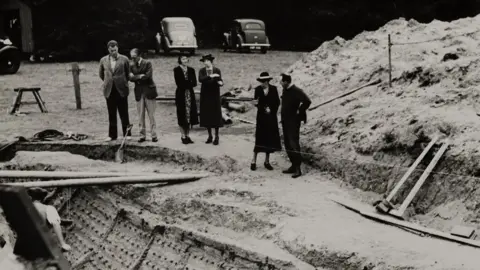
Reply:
x=147, y=105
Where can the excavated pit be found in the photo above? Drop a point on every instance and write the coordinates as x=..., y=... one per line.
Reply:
x=117, y=228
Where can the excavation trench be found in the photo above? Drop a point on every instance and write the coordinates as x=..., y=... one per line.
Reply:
x=452, y=181
x=117, y=228
x=190, y=212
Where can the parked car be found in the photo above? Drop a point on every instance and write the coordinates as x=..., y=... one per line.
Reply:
x=246, y=34
x=176, y=33
x=10, y=57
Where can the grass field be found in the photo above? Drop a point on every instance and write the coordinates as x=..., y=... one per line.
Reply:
x=238, y=70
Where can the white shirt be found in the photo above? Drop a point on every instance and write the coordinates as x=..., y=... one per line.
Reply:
x=113, y=62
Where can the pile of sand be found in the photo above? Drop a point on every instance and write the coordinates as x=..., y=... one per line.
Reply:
x=434, y=88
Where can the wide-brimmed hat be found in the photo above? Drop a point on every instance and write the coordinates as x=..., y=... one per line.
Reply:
x=264, y=76
x=207, y=57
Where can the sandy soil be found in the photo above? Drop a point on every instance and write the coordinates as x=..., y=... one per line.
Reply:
x=267, y=207
x=367, y=140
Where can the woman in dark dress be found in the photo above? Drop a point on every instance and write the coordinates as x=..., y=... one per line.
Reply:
x=210, y=104
x=267, y=134
x=187, y=114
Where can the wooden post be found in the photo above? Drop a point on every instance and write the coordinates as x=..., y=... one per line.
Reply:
x=76, y=84
x=389, y=61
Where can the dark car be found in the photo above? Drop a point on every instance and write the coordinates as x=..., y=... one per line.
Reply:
x=10, y=57
x=176, y=33
x=246, y=34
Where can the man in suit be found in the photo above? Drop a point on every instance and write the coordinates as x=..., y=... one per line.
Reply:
x=294, y=110
x=145, y=93
x=114, y=70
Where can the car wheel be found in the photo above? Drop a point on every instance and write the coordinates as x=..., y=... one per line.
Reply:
x=9, y=62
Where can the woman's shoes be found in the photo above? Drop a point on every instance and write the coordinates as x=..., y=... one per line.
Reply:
x=216, y=141
x=209, y=140
x=184, y=140
x=189, y=140
x=253, y=166
x=268, y=166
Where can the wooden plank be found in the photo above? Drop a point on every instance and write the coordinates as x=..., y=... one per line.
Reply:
x=421, y=180
x=25, y=220
x=411, y=169
x=346, y=94
x=369, y=213
x=125, y=180
x=63, y=174
x=462, y=231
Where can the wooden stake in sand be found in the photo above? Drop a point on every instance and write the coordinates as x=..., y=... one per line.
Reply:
x=377, y=81
x=389, y=61
x=63, y=175
x=124, y=180
x=76, y=84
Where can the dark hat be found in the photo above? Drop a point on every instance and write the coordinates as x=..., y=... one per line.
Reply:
x=264, y=77
x=112, y=43
x=37, y=194
x=286, y=77
x=207, y=57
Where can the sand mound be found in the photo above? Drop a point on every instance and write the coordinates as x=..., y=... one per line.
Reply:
x=434, y=92
x=433, y=88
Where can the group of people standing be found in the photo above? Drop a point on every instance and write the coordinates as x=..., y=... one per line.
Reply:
x=116, y=71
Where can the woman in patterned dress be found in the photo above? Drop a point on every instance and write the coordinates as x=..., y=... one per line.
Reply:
x=210, y=103
x=187, y=114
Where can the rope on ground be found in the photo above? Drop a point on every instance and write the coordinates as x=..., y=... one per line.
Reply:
x=436, y=39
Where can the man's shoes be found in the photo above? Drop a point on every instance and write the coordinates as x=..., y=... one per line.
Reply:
x=216, y=141
x=289, y=170
x=297, y=174
x=209, y=140
x=268, y=166
x=184, y=140
x=141, y=140
x=155, y=139
x=189, y=140
x=253, y=166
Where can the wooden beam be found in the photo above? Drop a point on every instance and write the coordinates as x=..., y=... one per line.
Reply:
x=369, y=213
x=64, y=174
x=346, y=94
x=420, y=181
x=125, y=180
x=411, y=169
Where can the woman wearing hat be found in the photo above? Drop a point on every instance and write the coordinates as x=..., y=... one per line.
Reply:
x=267, y=134
x=210, y=105
x=187, y=114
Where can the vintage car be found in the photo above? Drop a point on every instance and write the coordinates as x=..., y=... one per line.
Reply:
x=176, y=33
x=10, y=57
x=246, y=34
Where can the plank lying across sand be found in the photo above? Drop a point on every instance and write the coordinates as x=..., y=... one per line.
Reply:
x=370, y=213
x=147, y=179
x=64, y=174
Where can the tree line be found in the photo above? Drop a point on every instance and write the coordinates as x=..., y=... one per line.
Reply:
x=72, y=29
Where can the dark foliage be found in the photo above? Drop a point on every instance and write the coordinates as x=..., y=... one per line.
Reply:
x=81, y=28
x=75, y=30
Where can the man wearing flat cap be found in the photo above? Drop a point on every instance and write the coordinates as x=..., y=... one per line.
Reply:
x=293, y=112
x=114, y=71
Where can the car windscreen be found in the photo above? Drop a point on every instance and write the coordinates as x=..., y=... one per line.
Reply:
x=253, y=26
